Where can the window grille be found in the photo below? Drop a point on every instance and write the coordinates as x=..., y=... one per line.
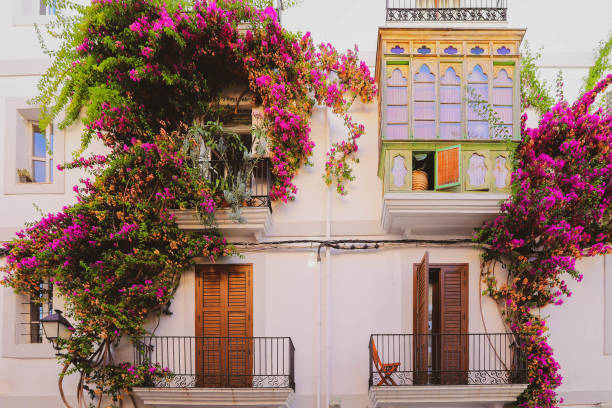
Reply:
x=35, y=307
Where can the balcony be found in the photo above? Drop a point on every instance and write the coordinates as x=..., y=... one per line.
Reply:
x=446, y=10
x=218, y=371
x=445, y=370
x=256, y=210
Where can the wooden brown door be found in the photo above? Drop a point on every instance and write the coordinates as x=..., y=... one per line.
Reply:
x=224, y=325
x=421, y=321
x=453, y=347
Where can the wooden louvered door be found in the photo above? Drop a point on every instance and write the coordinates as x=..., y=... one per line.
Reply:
x=453, y=346
x=239, y=326
x=421, y=321
x=224, y=325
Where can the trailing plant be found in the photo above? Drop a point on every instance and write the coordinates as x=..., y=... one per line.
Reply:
x=146, y=77
x=559, y=211
x=601, y=68
x=535, y=91
x=559, y=84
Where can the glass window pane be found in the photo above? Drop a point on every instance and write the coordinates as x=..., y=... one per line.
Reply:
x=397, y=78
x=424, y=110
x=397, y=95
x=478, y=130
x=480, y=91
x=502, y=132
x=51, y=143
x=397, y=132
x=450, y=131
x=450, y=94
x=40, y=172
x=424, y=92
x=502, y=96
x=477, y=75
x=477, y=111
x=450, y=113
x=51, y=170
x=397, y=114
x=450, y=77
x=39, y=143
x=424, y=75
x=502, y=78
x=504, y=113
x=424, y=130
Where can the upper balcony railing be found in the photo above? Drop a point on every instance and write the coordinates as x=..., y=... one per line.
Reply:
x=445, y=359
x=447, y=10
x=219, y=362
x=257, y=184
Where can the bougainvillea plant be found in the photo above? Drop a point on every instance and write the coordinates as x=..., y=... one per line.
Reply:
x=139, y=73
x=559, y=211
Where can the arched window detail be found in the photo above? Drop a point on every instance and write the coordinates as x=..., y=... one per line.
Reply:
x=478, y=98
x=396, y=105
x=450, y=105
x=424, y=104
x=502, y=101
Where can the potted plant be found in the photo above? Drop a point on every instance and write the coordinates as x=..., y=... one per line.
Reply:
x=24, y=176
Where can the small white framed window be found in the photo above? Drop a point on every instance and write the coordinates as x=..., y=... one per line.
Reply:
x=40, y=155
x=30, y=12
x=31, y=155
x=47, y=8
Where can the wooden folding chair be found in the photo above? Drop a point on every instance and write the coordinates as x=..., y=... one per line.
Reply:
x=385, y=370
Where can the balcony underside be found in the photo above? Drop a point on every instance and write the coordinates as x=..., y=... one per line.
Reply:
x=215, y=397
x=257, y=225
x=445, y=395
x=451, y=215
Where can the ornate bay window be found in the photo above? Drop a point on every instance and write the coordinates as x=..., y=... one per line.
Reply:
x=449, y=105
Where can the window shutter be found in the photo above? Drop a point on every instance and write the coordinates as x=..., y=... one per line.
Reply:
x=447, y=167
x=454, y=324
x=210, y=299
x=239, y=326
x=421, y=326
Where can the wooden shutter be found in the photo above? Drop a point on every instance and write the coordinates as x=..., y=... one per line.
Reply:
x=454, y=324
x=224, y=325
x=421, y=320
x=447, y=167
x=239, y=326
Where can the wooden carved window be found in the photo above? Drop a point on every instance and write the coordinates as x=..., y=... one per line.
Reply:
x=441, y=352
x=502, y=100
x=396, y=99
x=450, y=105
x=478, y=97
x=424, y=103
x=224, y=325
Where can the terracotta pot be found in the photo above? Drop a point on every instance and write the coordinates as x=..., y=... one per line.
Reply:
x=419, y=180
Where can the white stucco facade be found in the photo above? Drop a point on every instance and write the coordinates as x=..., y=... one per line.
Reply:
x=328, y=308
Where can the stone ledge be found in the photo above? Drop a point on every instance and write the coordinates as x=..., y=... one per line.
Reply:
x=215, y=397
x=487, y=395
x=452, y=215
x=256, y=227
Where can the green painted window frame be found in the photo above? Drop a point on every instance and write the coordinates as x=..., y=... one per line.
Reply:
x=440, y=187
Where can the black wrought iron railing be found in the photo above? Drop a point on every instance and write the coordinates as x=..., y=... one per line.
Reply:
x=447, y=10
x=256, y=177
x=219, y=362
x=445, y=359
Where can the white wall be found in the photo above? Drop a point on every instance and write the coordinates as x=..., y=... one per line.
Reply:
x=365, y=292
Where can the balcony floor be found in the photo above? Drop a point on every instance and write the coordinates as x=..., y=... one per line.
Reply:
x=215, y=397
x=494, y=396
